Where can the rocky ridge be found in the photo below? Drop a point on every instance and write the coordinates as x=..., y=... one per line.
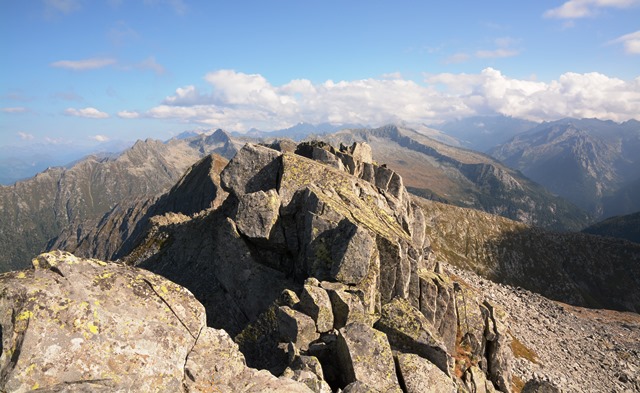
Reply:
x=324, y=242
x=324, y=270
x=465, y=178
x=571, y=348
x=39, y=209
x=586, y=161
x=79, y=325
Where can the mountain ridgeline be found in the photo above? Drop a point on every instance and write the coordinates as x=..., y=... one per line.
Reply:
x=465, y=178
x=74, y=200
x=592, y=163
x=326, y=272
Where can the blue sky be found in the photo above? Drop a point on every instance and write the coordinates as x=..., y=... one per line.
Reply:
x=89, y=71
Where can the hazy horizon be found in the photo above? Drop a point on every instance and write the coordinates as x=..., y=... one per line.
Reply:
x=87, y=72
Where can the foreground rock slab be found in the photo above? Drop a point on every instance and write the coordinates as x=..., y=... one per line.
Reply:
x=72, y=324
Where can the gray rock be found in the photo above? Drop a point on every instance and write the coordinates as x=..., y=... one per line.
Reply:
x=296, y=327
x=257, y=214
x=408, y=330
x=437, y=304
x=347, y=307
x=79, y=325
x=538, y=386
x=420, y=375
x=315, y=302
x=308, y=370
x=254, y=168
x=365, y=356
x=477, y=381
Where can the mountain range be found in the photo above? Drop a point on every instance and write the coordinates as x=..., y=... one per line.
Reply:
x=593, y=163
x=430, y=168
x=314, y=263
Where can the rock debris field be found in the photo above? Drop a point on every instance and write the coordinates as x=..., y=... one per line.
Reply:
x=572, y=348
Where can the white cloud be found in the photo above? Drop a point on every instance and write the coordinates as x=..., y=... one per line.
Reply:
x=630, y=41
x=25, y=136
x=239, y=101
x=88, y=112
x=574, y=9
x=128, y=114
x=86, y=64
x=99, y=138
x=15, y=109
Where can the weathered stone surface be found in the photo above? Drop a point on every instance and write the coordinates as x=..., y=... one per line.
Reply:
x=347, y=307
x=408, y=330
x=308, y=370
x=537, y=386
x=257, y=213
x=364, y=355
x=437, y=304
x=72, y=324
x=61, y=324
x=215, y=365
x=359, y=387
x=314, y=301
x=296, y=327
x=477, y=381
x=420, y=375
x=254, y=168
x=499, y=351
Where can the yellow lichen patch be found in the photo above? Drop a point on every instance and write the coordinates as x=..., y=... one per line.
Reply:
x=25, y=315
x=30, y=369
x=105, y=275
x=92, y=328
x=21, y=275
x=164, y=289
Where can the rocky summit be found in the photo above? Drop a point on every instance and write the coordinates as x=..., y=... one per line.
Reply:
x=320, y=270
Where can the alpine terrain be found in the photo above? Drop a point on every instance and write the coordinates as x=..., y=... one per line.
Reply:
x=310, y=268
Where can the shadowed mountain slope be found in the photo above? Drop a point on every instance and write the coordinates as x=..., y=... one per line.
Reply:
x=588, y=161
x=36, y=210
x=464, y=178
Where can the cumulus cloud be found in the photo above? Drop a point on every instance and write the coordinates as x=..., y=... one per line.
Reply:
x=25, y=136
x=574, y=9
x=99, y=138
x=88, y=112
x=631, y=42
x=128, y=114
x=15, y=109
x=239, y=101
x=83, y=65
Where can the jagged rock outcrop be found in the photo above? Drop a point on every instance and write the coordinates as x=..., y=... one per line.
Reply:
x=462, y=177
x=72, y=324
x=302, y=258
x=73, y=201
x=118, y=230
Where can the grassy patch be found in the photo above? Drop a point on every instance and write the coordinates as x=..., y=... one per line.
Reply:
x=517, y=385
x=522, y=351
